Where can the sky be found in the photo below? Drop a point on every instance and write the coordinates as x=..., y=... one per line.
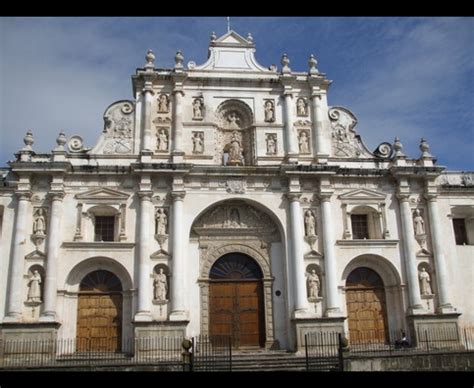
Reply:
x=409, y=77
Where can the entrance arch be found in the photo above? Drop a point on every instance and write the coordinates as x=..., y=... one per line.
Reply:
x=236, y=306
x=99, y=312
x=366, y=307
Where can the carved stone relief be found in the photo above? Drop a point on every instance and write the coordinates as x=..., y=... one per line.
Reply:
x=118, y=131
x=163, y=103
x=343, y=135
x=162, y=141
x=271, y=139
x=236, y=186
x=269, y=109
x=198, y=109
x=198, y=142
x=304, y=141
x=301, y=107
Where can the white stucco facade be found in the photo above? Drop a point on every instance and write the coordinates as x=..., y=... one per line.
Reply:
x=234, y=155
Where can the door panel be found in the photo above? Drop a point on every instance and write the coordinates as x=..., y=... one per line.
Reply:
x=367, y=315
x=99, y=322
x=235, y=309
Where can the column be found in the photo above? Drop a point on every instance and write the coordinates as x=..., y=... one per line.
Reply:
x=177, y=121
x=318, y=127
x=439, y=259
x=410, y=255
x=332, y=300
x=296, y=254
x=147, y=97
x=290, y=135
x=14, y=302
x=52, y=247
x=178, y=279
x=144, y=294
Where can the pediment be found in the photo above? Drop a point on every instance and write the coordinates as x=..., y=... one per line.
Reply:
x=363, y=194
x=35, y=255
x=103, y=194
x=232, y=37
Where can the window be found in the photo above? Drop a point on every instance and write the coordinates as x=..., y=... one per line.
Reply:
x=460, y=233
x=360, y=226
x=104, y=228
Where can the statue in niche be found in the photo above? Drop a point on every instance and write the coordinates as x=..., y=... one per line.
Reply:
x=161, y=221
x=234, y=218
x=235, y=150
x=163, y=104
x=232, y=119
x=301, y=107
x=418, y=223
x=304, y=142
x=425, y=286
x=162, y=140
x=197, y=109
x=269, y=112
x=310, y=223
x=314, y=284
x=34, y=291
x=271, y=144
x=160, y=286
x=39, y=224
x=198, y=142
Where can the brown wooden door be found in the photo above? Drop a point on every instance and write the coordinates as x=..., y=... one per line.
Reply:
x=236, y=311
x=366, y=307
x=99, y=313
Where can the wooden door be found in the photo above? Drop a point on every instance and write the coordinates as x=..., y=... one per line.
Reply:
x=236, y=301
x=366, y=307
x=99, y=314
x=236, y=311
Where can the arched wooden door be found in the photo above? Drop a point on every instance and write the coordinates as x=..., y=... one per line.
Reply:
x=99, y=312
x=366, y=307
x=236, y=300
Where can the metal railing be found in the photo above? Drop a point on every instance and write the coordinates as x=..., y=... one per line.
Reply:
x=160, y=352
x=323, y=351
x=212, y=353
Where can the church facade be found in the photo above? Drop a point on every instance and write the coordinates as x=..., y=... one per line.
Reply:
x=229, y=199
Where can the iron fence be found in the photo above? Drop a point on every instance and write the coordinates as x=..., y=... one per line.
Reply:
x=323, y=351
x=160, y=352
x=212, y=353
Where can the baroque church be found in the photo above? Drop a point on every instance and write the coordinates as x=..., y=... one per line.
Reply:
x=230, y=199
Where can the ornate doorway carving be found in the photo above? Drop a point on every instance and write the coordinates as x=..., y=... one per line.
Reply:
x=236, y=300
x=235, y=227
x=99, y=312
x=366, y=306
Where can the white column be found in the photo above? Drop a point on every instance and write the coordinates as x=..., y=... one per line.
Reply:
x=52, y=247
x=177, y=118
x=178, y=279
x=147, y=101
x=439, y=260
x=144, y=294
x=408, y=241
x=320, y=145
x=290, y=134
x=332, y=300
x=15, y=287
x=297, y=257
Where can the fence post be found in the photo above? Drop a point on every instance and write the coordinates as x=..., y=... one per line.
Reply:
x=306, y=350
x=340, y=353
x=230, y=354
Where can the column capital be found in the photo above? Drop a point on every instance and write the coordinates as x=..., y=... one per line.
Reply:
x=148, y=89
x=145, y=195
x=316, y=95
x=178, y=195
x=178, y=89
x=430, y=197
x=23, y=195
x=403, y=197
x=56, y=196
x=293, y=197
x=287, y=92
x=325, y=197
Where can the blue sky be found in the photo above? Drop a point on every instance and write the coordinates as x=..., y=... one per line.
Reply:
x=406, y=77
